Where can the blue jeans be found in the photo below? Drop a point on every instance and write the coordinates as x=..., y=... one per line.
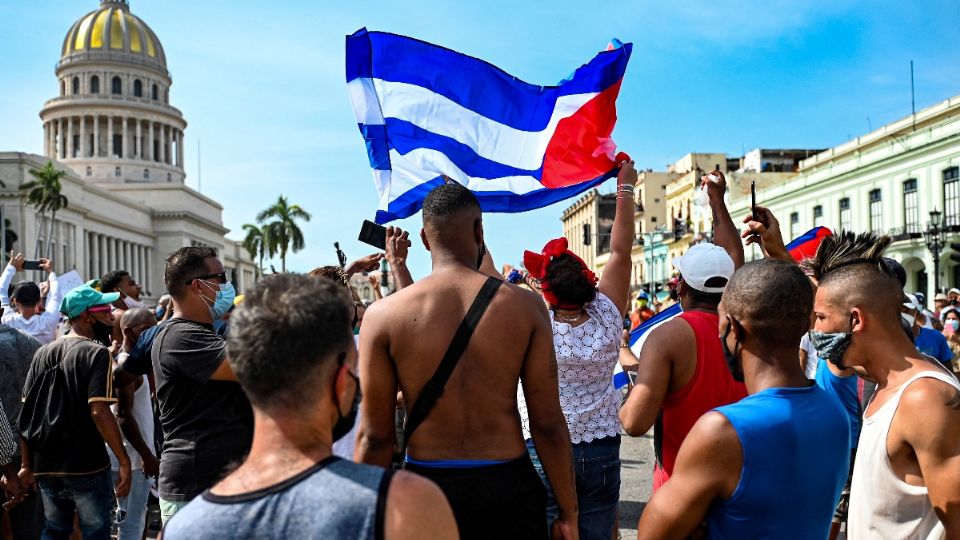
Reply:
x=132, y=509
x=597, y=467
x=90, y=495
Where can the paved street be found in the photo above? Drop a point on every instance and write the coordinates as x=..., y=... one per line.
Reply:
x=636, y=481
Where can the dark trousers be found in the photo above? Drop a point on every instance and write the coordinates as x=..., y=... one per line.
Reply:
x=504, y=501
x=89, y=495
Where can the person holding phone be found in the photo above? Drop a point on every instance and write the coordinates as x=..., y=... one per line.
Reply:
x=25, y=313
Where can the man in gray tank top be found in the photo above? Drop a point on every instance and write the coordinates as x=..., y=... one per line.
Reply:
x=292, y=350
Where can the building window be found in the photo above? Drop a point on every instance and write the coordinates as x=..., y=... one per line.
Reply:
x=876, y=218
x=154, y=93
x=794, y=225
x=818, y=216
x=845, y=217
x=76, y=146
x=89, y=171
x=116, y=86
x=117, y=145
x=116, y=171
x=951, y=196
x=146, y=174
x=94, y=85
x=137, y=88
x=653, y=219
x=76, y=85
x=911, y=210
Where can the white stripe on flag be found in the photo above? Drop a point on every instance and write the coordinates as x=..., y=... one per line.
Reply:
x=434, y=163
x=438, y=114
x=366, y=105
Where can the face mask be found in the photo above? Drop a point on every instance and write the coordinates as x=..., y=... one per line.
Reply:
x=674, y=295
x=483, y=251
x=832, y=346
x=160, y=312
x=954, y=323
x=909, y=319
x=731, y=357
x=131, y=303
x=223, y=301
x=102, y=333
x=345, y=422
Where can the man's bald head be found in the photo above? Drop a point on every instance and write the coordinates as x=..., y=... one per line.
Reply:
x=137, y=320
x=773, y=299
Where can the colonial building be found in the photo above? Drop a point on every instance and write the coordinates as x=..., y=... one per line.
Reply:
x=112, y=129
x=887, y=181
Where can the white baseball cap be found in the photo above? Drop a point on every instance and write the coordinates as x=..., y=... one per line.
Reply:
x=910, y=302
x=701, y=263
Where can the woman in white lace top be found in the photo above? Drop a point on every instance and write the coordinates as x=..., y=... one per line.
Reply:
x=587, y=324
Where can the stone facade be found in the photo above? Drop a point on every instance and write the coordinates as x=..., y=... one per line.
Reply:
x=112, y=129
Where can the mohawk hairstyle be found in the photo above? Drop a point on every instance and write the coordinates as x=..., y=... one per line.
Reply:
x=846, y=249
x=333, y=273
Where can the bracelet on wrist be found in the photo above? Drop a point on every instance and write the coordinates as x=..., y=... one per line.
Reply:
x=626, y=187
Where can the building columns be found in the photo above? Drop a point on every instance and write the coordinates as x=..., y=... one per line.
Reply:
x=70, y=148
x=149, y=152
x=96, y=135
x=163, y=143
x=139, y=144
x=83, y=136
x=109, y=136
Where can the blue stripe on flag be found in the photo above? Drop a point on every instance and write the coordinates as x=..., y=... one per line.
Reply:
x=620, y=377
x=378, y=151
x=405, y=136
x=668, y=313
x=502, y=97
x=490, y=201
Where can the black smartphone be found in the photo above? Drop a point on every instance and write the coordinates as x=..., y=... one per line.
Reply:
x=32, y=265
x=753, y=199
x=373, y=234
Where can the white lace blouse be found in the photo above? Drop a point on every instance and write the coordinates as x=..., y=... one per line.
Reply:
x=586, y=356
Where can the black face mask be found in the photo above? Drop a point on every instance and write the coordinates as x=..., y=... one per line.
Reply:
x=674, y=295
x=102, y=333
x=483, y=251
x=345, y=422
x=731, y=357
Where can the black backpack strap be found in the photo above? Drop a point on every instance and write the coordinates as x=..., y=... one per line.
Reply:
x=434, y=388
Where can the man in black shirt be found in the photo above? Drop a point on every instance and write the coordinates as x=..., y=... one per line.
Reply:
x=206, y=419
x=65, y=452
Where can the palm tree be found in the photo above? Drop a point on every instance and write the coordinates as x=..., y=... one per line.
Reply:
x=257, y=245
x=283, y=233
x=43, y=193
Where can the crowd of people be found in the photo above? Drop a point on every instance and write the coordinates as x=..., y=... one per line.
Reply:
x=786, y=399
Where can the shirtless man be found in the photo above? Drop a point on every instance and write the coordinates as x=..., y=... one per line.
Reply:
x=471, y=442
x=906, y=479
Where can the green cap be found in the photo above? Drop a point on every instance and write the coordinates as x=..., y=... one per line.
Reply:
x=83, y=298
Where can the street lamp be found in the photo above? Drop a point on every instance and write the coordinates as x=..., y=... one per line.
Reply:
x=933, y=236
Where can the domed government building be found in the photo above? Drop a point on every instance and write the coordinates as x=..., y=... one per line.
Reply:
x=112, y=128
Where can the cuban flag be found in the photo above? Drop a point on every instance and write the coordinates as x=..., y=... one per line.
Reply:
x=426, y=111
x=805, y=245
x=639, y=335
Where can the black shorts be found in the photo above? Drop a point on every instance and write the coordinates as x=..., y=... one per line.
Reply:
x=503, y=501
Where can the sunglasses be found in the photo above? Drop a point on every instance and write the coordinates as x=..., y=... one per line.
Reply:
x=222, y=276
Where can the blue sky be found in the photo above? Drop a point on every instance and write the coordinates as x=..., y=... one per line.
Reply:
x=262, y=85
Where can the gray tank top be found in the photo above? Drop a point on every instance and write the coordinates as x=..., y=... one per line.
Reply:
x=333, y=499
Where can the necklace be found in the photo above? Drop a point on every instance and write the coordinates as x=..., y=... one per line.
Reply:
x=568, y=318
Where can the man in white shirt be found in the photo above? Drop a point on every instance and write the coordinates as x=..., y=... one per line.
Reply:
x=24, y=314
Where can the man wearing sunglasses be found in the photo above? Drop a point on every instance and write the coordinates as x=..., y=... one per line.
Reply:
x=206, y=419
x=66, y=418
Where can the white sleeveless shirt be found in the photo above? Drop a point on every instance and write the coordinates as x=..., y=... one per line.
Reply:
x=586, y=356
x=882, y=505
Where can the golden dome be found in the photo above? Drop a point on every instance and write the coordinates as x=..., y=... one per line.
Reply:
x=113, y=29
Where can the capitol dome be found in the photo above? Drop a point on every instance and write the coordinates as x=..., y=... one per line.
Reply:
x=109, y=30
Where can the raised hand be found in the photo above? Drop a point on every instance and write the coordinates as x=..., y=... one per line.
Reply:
x=46, y=265
x=765, y=232
x=398, y=244
x=16, y=261
x=368, y=263
x=628, y=174
x=715, y=188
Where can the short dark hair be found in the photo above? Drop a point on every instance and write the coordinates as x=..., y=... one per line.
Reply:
x=109, y=282
x=566, y=281
x=284, y=337
x=183, y=265
x=774, y=297
x=26, y=293
x=448, y=199
x=706, y=298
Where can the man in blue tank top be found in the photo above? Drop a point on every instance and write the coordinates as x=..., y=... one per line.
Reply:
x=292, y=349
x=773, y=464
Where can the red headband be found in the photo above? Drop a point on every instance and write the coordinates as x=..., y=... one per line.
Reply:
x=536, y=265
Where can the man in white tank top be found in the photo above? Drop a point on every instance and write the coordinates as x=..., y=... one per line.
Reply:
x=906, y=480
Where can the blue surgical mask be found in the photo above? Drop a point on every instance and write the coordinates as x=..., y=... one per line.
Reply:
x=954, y=323
x=223, y=301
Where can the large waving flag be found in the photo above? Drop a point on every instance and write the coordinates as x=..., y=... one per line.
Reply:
x=805, y=245
x=426, y=111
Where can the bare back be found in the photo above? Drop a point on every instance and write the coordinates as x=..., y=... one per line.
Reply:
x=476, y=417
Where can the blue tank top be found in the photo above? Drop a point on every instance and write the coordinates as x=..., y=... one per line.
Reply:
x=333, y=499
x=795, y=462
x=844, y=390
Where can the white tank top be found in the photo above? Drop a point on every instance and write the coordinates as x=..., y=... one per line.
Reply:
x=881, y=504
x=143, y=413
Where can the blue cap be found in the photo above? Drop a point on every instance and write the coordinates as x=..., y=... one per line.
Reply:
x=83, y=298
